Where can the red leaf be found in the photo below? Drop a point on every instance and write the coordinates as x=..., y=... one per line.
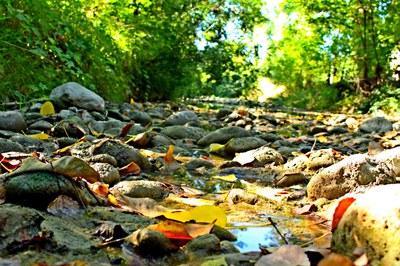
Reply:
x=126, y=128
x=340, y=210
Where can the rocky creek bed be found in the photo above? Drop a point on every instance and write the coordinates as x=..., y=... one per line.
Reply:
x=98, y=183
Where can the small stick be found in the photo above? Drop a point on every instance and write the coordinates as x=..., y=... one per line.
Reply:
x=276, y=228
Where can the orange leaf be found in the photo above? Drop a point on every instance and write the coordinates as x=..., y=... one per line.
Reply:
x=112, y=200
x=126, y=128
x=340, y=210
x=172, y=229
x=131, y=168
x=169, y=158
x=98, y=188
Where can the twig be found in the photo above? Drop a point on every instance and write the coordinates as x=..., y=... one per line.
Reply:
x=277, y=230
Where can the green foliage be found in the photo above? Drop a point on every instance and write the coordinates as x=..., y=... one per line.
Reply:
x=386, y=100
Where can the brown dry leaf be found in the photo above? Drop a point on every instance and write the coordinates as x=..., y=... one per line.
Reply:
x=142, y=139
x=67, y=148
x=64, y=207
x=172, y=229
x=341, y=208
x=391, y=134
x=99, y=188
x=125, y=129
x=131, y=168
x=374, y=148
x=68, y=166
x=335, y=259
x=2, y=194
x=169, y=157
x=307, y=209
x=288, y=255
x=242, y=112
x=145, y=206
x=290, y=179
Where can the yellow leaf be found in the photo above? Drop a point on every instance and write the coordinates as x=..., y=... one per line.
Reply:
x=216, y=147
x=132, y=101
x=200, y=214
x=322, y=139
x=229, y=178
x=112, y=200
x=190, y=201
x=42, y=136
x=47, y=109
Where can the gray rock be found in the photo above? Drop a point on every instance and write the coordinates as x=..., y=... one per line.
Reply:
x=7, y=145
x=73, y=127
x=41, y=125
x=223, y=135
x=106, y=126
x=227, y=247
x=161, y=140
x=32, y=144
x=223, y=112
x=139, y=117
x=108, y=173
x=320, y=158
x=371, y=222
x=262, y=155
x=203, y=246
x=181, y=118
x=72, y=93
x=12, y=120
x=102, y=158
x=141, y=189
x=376, y=124
x=265, y=176
x=183, y=132
x=337, y=130
x=244, y=144
x=123, y=153
x=347, y=175
x=197, y=163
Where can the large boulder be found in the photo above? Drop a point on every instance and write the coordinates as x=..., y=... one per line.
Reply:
x=376, y=124
x=12, y=120
x=183, y=132
x=371, y=222
x=349, y=174
x=74, y=94
x=181, y=118
x=223, y=135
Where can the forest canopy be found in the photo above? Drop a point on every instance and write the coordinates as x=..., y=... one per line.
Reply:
x=325, y=52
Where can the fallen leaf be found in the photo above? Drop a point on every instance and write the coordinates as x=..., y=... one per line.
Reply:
x=99, y=188
x=41, y=136
x=229, y=178
x=169, y=157
x=47, y=108
x=340, y=210
x=200, y=214
x=244, y=158
x=172, y=229
x=141, y=140
x=145, y=206
x=242, y=112
x=307, y=209
x=68, y=166
x=131, y=168
x=9, y=164
x=112, y=200
x=322, y=139
x=67, y=148
x=131, y=101
x=64, y=207
x=288, y=255
x=290, y=179
x=125, y=129
x=2, y=194
x=190, y=201
x=374, y=148
x=215, y=147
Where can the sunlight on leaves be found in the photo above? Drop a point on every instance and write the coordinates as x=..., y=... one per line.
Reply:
x=169, y=157
x=322, y=139
x=131, y=168
x=214, y=147
x=181, y=231
x=200, y=214
x=190, y=201
x=343, y=205
x=47, y=109
x=41, y=136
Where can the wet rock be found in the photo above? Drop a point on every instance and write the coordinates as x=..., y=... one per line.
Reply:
x=123, y=153
x=38, y=189
x=376, y=124
x=392, y=158
x=223, y=135
x=181, y=118
x=371, y=222
x=15, y=220
x=161, y=140
x=227, y=247
x=110, y=126
x=12, y=120
x=150, y=242
x=270, y=137
x=223, y=234
x=263, y=175
x=203, y=246
x=32, y=144
x=244, y=144
x=141, y=189
x=337, y=130
x=139, y=117
x=108, y=173
x=262, y=156
x=73, y=127
x=223, y=112
x=349, y=174
x=157, y=112
x=242, y=259
x=237, y=195
x=198, y=163
x=183, y=132
x=103, y=158
x=7, y=145
x=72, y=93
x=316, y=130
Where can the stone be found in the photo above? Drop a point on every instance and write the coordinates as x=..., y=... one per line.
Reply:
x=372, y=222
x=12, y=120
x=320, y=158
x=355, y=171
x=32, y=144
x=123, y=153
x=150, y=242
x=392, y=158
x=74, y=94
x=7, y=145
x=223, y=135
x=244, y=144
x=108, y=173
x=141, y=189
x=262, y=155
x=106, y=126
x=181, y=118
x=73, y=127
x=140, y=117
x=203, y=246
x=183, y=132
x=41, y=125
x=376, y=124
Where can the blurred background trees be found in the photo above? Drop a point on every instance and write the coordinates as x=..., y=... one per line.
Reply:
x=327, y=54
